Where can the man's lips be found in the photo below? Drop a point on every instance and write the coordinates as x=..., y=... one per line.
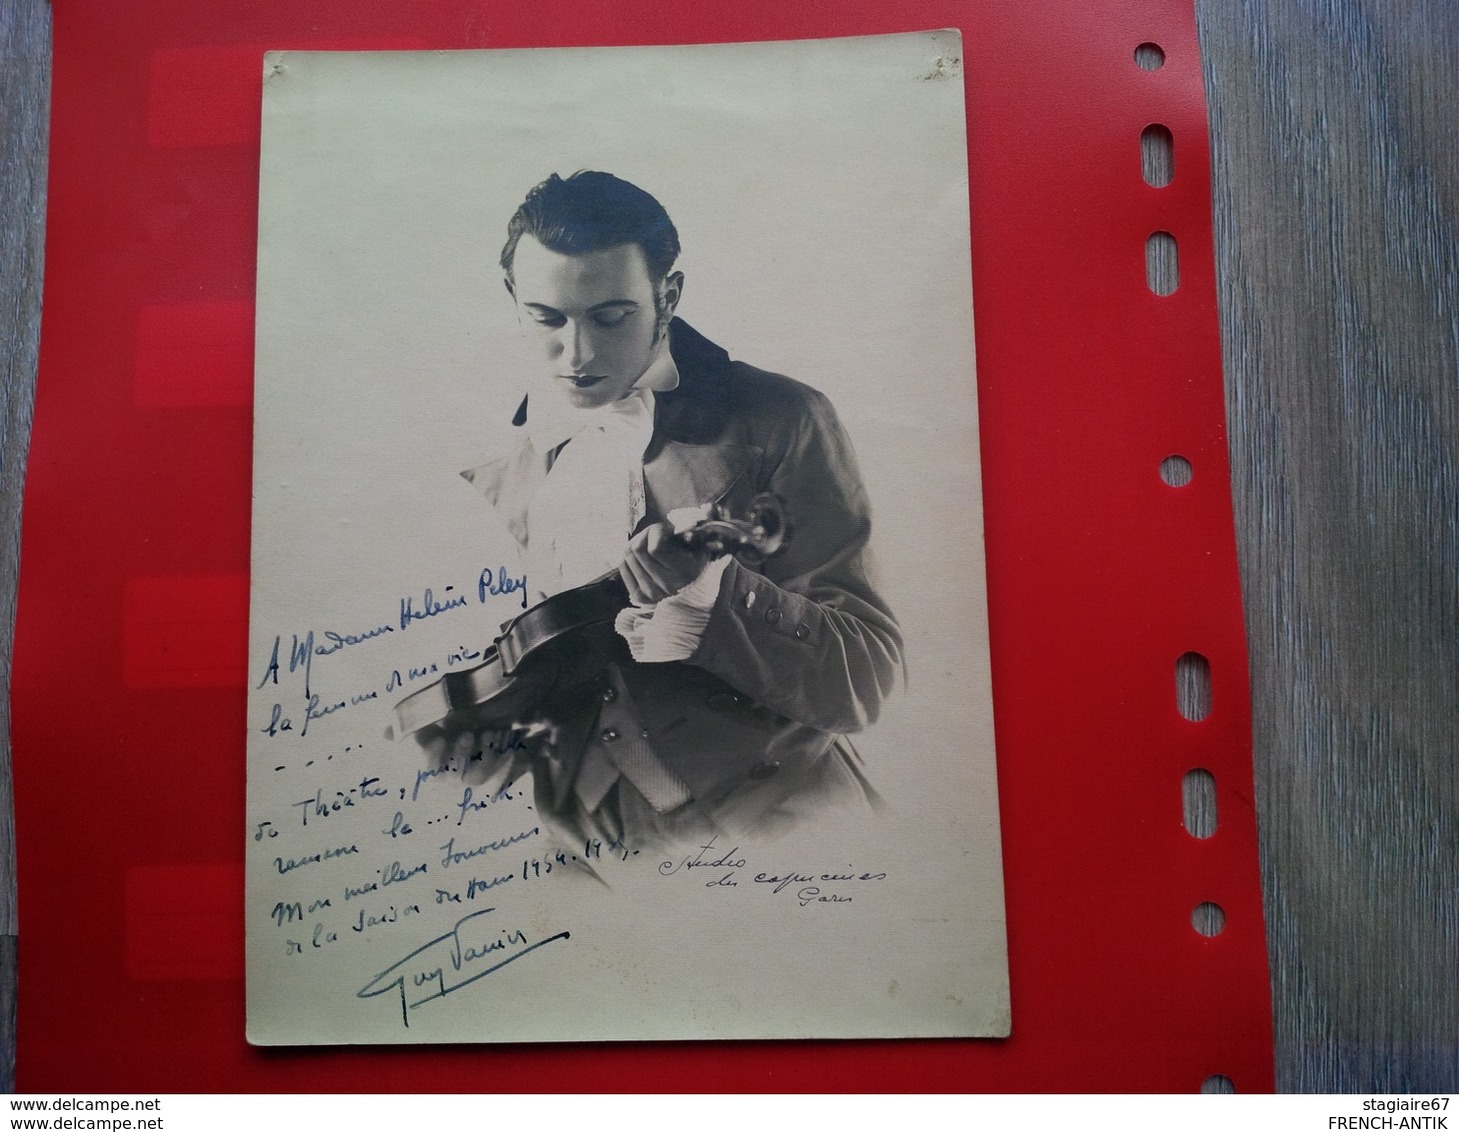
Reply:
x=583, y=381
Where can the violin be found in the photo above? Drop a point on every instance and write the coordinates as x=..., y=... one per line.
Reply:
x=520, y=668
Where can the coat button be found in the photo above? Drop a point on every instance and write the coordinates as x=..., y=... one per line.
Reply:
x=772, y=616
x=725, y=701
x=609, y=735
x=802, y=632
x=764, y=769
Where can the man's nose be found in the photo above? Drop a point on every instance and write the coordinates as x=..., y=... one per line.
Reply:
x=577, y=348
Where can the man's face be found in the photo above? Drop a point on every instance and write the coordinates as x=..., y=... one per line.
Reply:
x=593, y=316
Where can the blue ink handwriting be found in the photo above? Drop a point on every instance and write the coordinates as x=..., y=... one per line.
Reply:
x=364, y=922
x=453, y=856
x=493, y=585
x=454, y=960
x=289, y=864
x=430, y=607
x=338, y=641
x=343, y=799
x=301, y=655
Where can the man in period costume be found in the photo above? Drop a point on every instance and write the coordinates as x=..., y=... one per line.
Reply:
x=718, y=701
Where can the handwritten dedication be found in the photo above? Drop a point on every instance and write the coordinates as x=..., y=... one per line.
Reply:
x=618, y=648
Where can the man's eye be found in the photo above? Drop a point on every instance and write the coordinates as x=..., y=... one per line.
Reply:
x=611, y=318
x=553, y=320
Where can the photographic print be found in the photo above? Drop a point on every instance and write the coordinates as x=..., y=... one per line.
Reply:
x=618, y=638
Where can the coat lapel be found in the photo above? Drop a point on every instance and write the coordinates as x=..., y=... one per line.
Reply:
x=688, y=475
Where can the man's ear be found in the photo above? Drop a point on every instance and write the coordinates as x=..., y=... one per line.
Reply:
x=673, y=292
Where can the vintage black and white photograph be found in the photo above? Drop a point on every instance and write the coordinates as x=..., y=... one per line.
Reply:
x=618, y=639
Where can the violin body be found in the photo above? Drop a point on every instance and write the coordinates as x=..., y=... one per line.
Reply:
x=521, y=667
x=470, y=698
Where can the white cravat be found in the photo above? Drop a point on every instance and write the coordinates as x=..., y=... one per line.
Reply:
x=593, y=498
x=577, y=528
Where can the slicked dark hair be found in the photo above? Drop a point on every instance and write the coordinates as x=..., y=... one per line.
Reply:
x=589, y=212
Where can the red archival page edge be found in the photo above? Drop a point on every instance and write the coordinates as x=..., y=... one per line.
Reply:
x=133, y=592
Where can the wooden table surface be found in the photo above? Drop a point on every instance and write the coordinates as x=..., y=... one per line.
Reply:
x=1336, y=195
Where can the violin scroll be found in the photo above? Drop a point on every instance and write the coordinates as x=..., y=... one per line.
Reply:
x=763, y=531
x=526, y=661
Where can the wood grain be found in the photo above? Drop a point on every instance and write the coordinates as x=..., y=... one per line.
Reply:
x=1336, y=181
x=25, y=36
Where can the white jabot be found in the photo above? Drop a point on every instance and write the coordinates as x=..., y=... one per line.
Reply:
x=593, y=498
x=578, y=526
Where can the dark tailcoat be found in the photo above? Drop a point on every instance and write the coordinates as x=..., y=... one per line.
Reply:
x=797, y=652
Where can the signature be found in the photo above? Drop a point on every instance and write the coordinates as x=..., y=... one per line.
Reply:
x=452, y=961
x=728, y=860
